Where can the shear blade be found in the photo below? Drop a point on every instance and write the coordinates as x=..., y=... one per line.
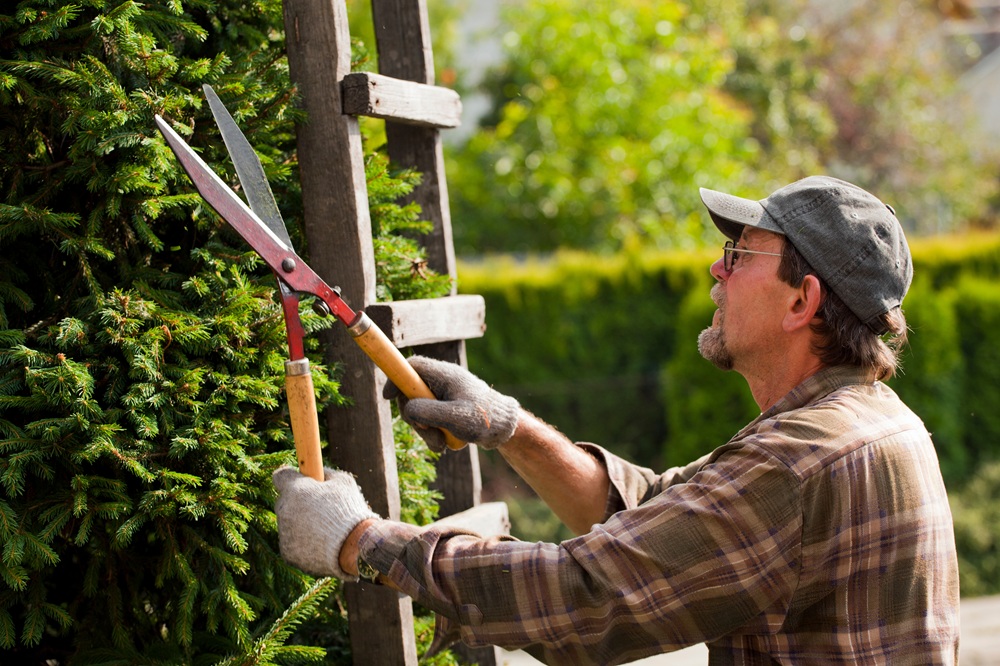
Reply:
x=248, y=168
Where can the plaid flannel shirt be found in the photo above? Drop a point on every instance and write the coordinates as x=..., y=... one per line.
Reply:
x=820, y=534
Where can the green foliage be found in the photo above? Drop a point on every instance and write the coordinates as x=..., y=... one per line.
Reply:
x=772, y=77
x=415, y=467
x=933, y=368
x=868, y=93
x=977, y=307
x=141, y=347
x=401, y=270
x=977, y=531
x=943, y=260
x=902, y=129
x=138, y=485
x=532, y=520
x=270, y=648
x=605, y=122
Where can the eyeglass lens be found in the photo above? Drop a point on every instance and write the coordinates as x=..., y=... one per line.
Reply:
x=729, y=255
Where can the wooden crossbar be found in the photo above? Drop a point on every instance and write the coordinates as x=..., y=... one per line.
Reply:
x=427, y=322
x=407, y=102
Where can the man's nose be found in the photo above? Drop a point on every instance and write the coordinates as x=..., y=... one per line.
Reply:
x=718, y=270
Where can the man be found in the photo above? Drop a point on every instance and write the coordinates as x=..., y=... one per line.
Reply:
x=819, y=534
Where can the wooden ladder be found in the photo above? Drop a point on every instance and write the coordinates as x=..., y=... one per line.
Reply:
x=338, y=229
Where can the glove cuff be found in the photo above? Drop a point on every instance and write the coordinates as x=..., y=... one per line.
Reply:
x=338, y=539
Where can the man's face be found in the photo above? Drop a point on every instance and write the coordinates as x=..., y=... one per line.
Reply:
x=749, y=298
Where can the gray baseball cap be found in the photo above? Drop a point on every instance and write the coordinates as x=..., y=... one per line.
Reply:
x=851, y=239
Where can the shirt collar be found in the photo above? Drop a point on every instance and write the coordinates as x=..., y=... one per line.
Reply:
x=814, y=387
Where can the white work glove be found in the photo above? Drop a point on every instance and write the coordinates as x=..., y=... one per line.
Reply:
x=466, y=406
x=315, y=519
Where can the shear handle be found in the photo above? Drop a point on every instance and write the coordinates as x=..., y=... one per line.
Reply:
x=386, y=356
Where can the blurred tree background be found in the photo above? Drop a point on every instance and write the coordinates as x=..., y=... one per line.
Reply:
x=603, y=122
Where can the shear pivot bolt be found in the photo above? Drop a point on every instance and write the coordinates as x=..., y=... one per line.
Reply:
x=288, y=264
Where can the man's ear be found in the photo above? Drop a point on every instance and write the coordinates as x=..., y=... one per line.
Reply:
x=803, y=304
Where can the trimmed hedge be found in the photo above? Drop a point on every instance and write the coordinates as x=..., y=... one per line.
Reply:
x=604, y=347
x=581, y=339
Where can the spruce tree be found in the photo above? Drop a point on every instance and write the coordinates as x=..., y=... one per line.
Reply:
x=141, y=346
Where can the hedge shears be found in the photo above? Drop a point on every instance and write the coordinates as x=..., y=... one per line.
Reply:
x=262, y=227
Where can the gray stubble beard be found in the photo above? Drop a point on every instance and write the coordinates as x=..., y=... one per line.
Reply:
x=711, y=342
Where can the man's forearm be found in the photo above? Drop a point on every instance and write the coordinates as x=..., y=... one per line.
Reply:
x=571, y=481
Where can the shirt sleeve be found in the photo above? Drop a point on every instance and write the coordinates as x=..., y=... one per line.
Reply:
x=632, y=484
x=701, y=559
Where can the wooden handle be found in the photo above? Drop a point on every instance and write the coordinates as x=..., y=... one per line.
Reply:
x=386, y=356
x=305, y=421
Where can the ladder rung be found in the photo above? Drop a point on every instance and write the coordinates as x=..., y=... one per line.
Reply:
x=432, y=320
x=378, y=96
x=486, y=520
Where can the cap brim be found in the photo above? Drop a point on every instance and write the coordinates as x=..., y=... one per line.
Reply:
x=731, y=214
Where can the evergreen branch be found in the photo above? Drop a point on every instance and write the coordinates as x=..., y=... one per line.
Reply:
x=54, y=519
x=13, y=548
x=14, y=469
x=168, y=21
x=11, y=294
x=26, y=219
x=10, y=433
x=15, y=576
x=123, y=536
x=186, y=613
x=46, y=70
x=8, y=522
x=33, y=628
x=40, y=552
x=269, y=647
x=8, y=633
x=45, y=25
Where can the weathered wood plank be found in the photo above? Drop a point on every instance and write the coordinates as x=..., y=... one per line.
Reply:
x=338, y=228
x=403, y=37
x=486, y=520
x=377, y=96
x=428, y=321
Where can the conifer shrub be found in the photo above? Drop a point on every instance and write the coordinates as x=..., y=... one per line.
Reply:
x=141, y=347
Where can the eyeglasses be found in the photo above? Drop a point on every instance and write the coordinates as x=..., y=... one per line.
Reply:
x=730, y=253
